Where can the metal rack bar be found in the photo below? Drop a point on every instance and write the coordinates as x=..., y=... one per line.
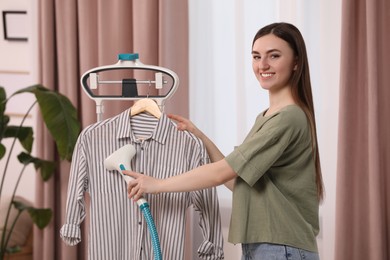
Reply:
x=137, y=81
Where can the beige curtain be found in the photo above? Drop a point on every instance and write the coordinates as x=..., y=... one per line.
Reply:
x=363, y=184
x=75, y=36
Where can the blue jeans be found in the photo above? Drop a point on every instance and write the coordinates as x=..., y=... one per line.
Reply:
x=265, y=251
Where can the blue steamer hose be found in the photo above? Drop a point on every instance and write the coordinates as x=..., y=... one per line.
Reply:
x=153, y=231
x=145, y=209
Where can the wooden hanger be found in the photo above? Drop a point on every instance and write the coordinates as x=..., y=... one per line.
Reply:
x=146, y=105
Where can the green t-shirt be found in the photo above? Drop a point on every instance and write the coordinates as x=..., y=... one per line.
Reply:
x=275, y=195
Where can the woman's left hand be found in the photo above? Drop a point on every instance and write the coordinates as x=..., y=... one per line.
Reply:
x=140, y=184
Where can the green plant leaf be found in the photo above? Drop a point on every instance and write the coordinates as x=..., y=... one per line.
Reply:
x=2, y=151
x=4, y=119
x=13, y=250
x=3, y=100
x=60, y=117
x=24, y=135
x=20, y=205
x=61, y=120
x=41, y=217
x=46, y=167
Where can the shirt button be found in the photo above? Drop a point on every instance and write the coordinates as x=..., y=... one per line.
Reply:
x=140, y=223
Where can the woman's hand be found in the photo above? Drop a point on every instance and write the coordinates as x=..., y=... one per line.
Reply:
x=141, y=184
x=184, y=123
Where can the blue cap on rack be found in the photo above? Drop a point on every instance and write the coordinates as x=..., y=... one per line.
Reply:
x=128, y=56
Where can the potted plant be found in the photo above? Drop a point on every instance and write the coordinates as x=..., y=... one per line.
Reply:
x=60, y=117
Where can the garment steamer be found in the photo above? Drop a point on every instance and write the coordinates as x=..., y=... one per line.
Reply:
x=120, y=159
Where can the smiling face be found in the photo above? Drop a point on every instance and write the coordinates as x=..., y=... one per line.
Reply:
x=273, y=62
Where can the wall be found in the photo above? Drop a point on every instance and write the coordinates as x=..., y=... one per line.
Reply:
x=17, y=71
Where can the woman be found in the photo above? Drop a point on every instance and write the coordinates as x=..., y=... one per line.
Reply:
x=275, y=173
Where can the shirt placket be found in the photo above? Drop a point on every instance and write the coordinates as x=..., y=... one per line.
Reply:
x=141, y=149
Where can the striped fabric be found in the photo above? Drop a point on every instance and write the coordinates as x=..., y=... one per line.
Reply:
x=117, y=228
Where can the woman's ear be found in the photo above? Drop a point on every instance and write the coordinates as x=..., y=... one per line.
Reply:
x=295, y=63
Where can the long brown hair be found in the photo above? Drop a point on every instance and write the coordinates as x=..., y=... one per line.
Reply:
x=300, y=82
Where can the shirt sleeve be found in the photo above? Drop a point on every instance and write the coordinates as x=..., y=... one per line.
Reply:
x=205, y=202
x=75, y=204
x=261, y=149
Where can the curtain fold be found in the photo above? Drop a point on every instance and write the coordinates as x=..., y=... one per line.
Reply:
x=363, y=177
x=75, y=36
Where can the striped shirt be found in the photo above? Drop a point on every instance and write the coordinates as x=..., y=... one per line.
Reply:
x=117, y=228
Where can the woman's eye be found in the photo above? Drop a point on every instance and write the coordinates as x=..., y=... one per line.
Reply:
x=256, y=57
x=274, y=56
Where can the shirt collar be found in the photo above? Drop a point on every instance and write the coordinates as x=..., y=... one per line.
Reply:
x=124, y=127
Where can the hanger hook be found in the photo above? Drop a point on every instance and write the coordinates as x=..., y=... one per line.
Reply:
x=150, y=84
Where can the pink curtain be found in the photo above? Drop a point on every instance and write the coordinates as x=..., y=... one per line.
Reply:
x=363, y=194
x=76, y=36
